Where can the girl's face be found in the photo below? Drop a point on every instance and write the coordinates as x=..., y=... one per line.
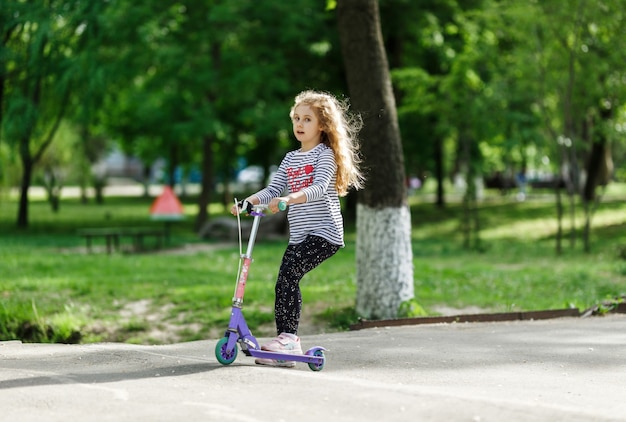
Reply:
x=306, y=126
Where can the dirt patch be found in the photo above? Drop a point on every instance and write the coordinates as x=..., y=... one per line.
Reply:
x=145, y=323
x=155, y=320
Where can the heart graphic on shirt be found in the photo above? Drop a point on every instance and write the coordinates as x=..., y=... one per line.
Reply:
x=308, y=169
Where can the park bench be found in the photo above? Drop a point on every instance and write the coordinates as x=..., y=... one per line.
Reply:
x=225, y=228
x=112, y=236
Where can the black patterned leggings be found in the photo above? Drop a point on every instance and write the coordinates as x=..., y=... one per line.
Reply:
x=297, y=261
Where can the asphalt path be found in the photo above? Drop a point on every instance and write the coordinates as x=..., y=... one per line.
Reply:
x=566, y=369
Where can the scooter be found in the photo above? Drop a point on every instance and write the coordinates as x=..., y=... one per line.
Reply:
x=238, y=331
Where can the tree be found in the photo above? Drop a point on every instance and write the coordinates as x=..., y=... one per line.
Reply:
x=37, y=83
x=419, y=59
x=577, y=63
x=208, y=86
x=384, y=253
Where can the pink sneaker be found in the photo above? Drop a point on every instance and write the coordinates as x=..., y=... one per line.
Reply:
x=286, y=343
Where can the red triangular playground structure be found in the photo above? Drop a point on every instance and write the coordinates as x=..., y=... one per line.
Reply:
x=167, y=206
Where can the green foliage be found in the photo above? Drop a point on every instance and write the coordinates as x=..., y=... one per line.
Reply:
x=224, y=71
x=339, y=319
x=163, y=77
x=18, y=320
x=503, y=74
x=411, y=309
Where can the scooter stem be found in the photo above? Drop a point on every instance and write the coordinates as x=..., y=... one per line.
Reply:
x=247, y=260
x=255, y=228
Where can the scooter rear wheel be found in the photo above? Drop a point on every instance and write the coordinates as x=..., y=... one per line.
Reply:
x=315, y=366
x=224, y=357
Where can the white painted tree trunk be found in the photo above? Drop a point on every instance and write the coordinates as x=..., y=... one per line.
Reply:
x=384, y=260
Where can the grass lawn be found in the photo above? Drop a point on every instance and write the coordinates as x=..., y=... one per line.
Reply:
x=52, y=290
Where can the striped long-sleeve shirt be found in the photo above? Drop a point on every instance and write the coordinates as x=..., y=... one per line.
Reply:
x=313, y=172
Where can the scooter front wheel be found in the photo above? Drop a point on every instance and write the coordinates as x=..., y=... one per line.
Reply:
x=316, y=366
x=223, y=356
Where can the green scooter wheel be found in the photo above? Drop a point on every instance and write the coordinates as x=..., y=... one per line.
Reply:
x=224, y=357
x=314, y=366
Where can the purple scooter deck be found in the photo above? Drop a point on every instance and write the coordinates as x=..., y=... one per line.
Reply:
x=309, y=357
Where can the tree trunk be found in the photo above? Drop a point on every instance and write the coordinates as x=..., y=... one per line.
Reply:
x=207, y=181
x=172, y=165
x=439, y=173
x=27, y=174
x=599, y=172
x=384, y=253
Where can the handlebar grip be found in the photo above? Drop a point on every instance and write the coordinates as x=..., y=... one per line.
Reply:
x=282, y=205
x=245, y=206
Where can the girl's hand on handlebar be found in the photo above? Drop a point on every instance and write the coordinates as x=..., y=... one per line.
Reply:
x=244, y=206
x=276, y=206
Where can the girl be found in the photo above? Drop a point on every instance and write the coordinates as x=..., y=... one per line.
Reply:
x=324, y=167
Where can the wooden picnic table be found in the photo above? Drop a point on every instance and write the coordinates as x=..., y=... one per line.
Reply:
x=112, y=236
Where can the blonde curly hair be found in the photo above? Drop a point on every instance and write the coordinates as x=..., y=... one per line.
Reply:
x=339, y=132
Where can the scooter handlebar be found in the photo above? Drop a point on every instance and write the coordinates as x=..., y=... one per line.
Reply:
x=248, y=208
x=244, y=206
